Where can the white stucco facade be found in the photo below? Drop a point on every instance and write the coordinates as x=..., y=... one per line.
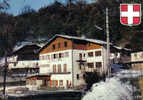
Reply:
x=137, y=60
x=137, y=56
x=74, y=74
x=67, y=59
x=46, y=66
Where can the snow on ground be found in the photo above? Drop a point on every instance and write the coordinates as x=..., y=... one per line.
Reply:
x=128, y=73
x=113, y=88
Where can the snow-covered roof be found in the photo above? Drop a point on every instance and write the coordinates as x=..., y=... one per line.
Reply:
x=75, y=38
x=117, y=47
x=91, y=40
x=121, y=48
x=81, y=38
x=18, y=47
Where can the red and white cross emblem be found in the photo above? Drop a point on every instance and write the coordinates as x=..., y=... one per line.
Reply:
x=130, y=14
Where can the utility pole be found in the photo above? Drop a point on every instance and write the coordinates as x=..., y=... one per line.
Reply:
x=4, y=77
x=108, y=43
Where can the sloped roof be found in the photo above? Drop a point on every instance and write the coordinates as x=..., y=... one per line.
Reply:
x=23, y=45
x=121, y=48
x=74, y=38
x=80, y=38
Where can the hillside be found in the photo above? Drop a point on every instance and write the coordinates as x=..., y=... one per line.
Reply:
x=74, y=18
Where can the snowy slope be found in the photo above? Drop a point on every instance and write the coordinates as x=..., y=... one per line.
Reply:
x=113, y=88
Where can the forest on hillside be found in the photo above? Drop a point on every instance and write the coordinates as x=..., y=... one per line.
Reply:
x=75, y=17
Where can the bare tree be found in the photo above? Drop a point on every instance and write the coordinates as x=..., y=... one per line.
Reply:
x=4, y=4
x=27, y=9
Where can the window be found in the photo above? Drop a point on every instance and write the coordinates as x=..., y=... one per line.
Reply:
x=98, y=64
x=60, y=55
x=53, y=47
x=135, y=55
x=51, y=83
x=48, y=57
x=65, y=44
x=90, y=65
x=68, y=83
x=27, y=81
x=98, y=53
x=59, y=68
x=77, y=76
x=48, y=83
x=14, y=63
x=84, y=55
x=42, y=57
x=44, y=82
x=57, y=55
x=90, y=54
x=45, y=57
x=61, y=83
x=34, y=82
x=54, y=68
x=59, y=45
x=55, y=83
x=54, y=56
x=80, y=56
x=66, y=54
x=31, y=81
x=65, y=67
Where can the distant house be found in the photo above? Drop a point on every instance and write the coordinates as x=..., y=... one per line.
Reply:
x=65, y=59
x=137, y=60
x=24, y=60
x=120, y=55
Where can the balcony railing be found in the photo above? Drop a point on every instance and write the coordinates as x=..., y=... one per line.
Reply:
x=25, y=64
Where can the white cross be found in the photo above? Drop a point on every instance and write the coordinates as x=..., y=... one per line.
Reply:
x=130, y=14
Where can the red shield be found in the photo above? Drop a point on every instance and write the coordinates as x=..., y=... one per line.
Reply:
x=130, y=14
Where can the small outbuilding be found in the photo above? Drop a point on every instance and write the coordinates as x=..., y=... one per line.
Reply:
x=37, y=81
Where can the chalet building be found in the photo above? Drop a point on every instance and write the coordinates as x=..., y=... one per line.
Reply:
x=65, y=59
x=24, y=60
x=120, y=55
x=137, y=60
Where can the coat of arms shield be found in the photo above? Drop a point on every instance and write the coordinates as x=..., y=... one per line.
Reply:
x=130, y=14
